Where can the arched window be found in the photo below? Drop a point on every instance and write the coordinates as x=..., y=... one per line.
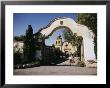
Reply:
x=56, y=42
x=59, y=42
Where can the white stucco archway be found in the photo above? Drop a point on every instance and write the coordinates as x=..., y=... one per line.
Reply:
x=81, y=30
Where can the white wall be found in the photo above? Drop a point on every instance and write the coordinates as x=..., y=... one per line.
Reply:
x=81, y=30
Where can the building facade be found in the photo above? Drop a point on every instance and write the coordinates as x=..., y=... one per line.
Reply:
x=64, y=47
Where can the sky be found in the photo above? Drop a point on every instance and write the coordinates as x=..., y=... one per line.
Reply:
x=37, y=21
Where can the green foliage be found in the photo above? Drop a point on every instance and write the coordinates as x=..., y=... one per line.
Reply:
x=17, y=58
x=53, y=45
x=90, y=20
x=91, y=61
x=67, y=35
x=81, y=64
x=74, y=39
x=19, y=38
x=77, y=41
x=39, y=40
x=29, y=45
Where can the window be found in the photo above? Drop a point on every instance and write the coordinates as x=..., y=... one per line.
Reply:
x=59, y=42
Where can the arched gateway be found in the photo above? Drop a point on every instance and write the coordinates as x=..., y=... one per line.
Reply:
x=87, y=46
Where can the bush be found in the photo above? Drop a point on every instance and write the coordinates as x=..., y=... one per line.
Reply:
x=35, y=63
x=28, y=65
x=81, y=64
x=91, y=61
x=17, y=58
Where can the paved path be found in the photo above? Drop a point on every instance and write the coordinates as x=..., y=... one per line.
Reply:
x=56, y=70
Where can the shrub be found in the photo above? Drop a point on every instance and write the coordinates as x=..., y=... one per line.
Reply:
x=91, y=61
x=17, y=58
x=81, y=64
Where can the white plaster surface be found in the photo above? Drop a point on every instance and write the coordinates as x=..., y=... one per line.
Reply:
x=81, y=30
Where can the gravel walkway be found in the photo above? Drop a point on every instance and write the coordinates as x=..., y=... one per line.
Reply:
x=56, y=70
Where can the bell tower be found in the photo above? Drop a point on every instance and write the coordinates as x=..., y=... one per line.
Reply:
x=58, y=43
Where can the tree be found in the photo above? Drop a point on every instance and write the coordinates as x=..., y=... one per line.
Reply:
x=17, y=57
x=90, y=20
x=29, y=45
x=53, y=45
x=77, y=41
x=67, y=35
x=74, y=40
x=19, y=38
